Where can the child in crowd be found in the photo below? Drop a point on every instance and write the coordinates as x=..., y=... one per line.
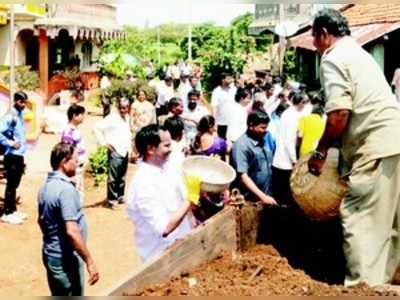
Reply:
x=71, y=135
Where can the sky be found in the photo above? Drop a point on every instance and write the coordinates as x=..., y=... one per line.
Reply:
x=154, y=12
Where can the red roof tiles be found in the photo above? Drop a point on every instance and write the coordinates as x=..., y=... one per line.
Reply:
x=367, y=22
x=363, y=14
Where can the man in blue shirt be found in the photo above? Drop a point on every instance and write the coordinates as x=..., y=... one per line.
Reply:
x=63, y=226
x=252, y=160
x=12, y=138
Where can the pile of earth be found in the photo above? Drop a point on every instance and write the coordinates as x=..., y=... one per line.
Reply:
x=260, y=271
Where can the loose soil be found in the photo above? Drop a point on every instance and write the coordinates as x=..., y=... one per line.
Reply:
x=260, y=271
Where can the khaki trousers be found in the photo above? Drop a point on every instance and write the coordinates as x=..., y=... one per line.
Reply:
x=371, y=222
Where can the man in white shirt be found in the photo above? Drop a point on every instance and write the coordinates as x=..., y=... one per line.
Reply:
x=152, y=81
x=157, y=202
x=238, y=113
x=221, y=97
x=285, y=155
x=114, y=132
x=105, y=83
x=277, y=83
x=192, y=115
x=191, y=85
x=165, y=91
x=271, y=100
x=184, y=88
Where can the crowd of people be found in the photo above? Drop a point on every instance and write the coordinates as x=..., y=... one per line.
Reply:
x=261, y=125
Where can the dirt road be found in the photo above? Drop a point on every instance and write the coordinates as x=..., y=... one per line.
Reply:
x=110, y=232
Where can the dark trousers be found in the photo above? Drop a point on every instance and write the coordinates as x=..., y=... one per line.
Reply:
x=281, y=187
x=106, y=103
x=65, y=276
x=14, y=166
x=118, y=165
x=222, y=131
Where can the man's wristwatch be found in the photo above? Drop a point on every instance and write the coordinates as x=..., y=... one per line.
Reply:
x=319, y=155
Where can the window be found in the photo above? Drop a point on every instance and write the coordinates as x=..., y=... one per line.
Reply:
x=293, y=9
x=87, y=52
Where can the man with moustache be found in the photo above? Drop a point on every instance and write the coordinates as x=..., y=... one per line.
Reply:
x=192, y=115
x=252, y=160
x=64, y=227
x=364, y=118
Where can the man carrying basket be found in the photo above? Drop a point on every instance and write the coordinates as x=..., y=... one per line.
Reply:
x=364, y=117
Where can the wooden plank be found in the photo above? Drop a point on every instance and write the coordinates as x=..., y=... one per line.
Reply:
x=203, y=244
x=248, y=219
x=388, y=288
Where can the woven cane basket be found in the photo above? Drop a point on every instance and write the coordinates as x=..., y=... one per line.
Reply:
x=319, y=197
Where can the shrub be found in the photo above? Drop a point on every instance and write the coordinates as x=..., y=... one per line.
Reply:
x=25, y=79
x=94, y=97
x=128, y=89
x=98, y=163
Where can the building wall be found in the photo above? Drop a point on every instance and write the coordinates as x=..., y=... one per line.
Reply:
x=19, y=52
x=292, y=11
x=94, y=12
x=19, y=46
x=4, y=45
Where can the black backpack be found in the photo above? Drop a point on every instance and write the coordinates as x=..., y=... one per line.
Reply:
x=9, y=134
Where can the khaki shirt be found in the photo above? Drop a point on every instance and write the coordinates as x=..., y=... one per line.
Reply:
x=352, y=80
x=396, y=79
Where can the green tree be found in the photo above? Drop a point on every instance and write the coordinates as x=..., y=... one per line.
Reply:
x=142, y=45
x=221, y=49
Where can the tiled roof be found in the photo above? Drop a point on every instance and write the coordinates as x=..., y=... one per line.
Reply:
x=363, y=34
x=362, y=14
x=367, y=23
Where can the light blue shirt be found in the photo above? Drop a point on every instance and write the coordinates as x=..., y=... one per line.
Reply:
x=59, y=202
x=18, y=132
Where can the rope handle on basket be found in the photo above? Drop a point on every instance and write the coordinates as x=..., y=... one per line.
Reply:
x=236, y=198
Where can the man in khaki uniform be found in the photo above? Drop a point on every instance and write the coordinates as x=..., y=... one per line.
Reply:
x=396, y=83
x=364, y=116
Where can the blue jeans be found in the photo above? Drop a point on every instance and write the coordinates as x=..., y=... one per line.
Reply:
x=65, y=276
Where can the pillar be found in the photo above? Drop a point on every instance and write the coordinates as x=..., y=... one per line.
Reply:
x=44, y=62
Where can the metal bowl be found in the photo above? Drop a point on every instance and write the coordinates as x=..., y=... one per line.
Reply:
x=215, y=175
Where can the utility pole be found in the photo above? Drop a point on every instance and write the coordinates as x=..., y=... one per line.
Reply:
x=158, y=45
x=281, y=39
x=190, y=42
x=190, y=33
x=12, y=55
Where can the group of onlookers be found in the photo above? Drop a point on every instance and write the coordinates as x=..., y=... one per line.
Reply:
x=261, y=127
x=252, y=125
